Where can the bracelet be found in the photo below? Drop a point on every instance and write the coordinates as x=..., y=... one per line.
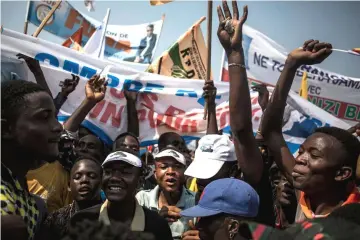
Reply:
x=236, y=65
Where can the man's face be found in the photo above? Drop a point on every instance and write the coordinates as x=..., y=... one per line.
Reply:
x=169, y=174
x=127, y=142
x=90, y=145
x=149, y=31
x=120, y=181
x=317, y=163
x=85, y=181
x=212, y=228
x=37, y=131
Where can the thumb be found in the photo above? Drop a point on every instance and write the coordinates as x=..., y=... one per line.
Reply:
x=191, y=225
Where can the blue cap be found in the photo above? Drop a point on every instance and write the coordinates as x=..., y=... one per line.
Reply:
x=227, y=195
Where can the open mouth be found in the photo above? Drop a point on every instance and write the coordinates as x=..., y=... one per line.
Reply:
x=115, y=188
x=171, y=181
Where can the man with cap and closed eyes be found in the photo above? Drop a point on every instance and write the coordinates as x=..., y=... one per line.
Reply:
x=215, y=158
x=225, y=203
x=122, y=171
x=170, y=196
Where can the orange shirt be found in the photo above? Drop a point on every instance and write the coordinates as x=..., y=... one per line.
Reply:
x=50, y=182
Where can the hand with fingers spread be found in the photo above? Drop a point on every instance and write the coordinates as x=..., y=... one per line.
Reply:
x=263, y=98
x=191, y=234
x=170, y=213
x=69, y=85
x=209, y=92
x=312, y=52
x=95, y=88
x=230, y=27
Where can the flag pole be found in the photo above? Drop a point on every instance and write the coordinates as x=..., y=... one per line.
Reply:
x=26, y=17
x=103, y=40
x=46, y=19
x=208, y=64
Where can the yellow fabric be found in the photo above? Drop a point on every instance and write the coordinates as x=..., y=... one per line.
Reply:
x=14, y=199
x=159, y=2
x=303, y=89
x=138, y=222
x=50, y=182
x=193, y=185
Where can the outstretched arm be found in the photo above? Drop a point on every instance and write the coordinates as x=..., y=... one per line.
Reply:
x=68, y=86
x=132, y=116
x=247, y=152
x=209, y=95
x=93, y=96
x=312, y=52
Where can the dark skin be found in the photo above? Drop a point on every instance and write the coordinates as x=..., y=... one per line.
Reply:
x=209, y=95
x=34, y=134
x=169, y=175
x=120, y=181
x=127, y=142
x=132, y=116
x=92, y=97
x=247, y=152
x=318, y=170
x=263, y=98
x=85, y=181
x=90, y=145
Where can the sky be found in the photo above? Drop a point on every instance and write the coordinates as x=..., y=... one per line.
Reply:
x=289, y=23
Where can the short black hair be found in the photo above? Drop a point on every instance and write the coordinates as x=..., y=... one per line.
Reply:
x=125, y=134
x=349, y=212
x=169, y=138
x=350, y=143
x=89, y=158
x=13, y=95
x=151, y=25
x=97, y=230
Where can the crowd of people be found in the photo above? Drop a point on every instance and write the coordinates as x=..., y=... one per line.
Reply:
x=63, y=182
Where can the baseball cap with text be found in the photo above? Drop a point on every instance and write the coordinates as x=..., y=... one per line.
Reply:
x=172, y=153
x=212, y=152
x=125, y=157
x=226, y=195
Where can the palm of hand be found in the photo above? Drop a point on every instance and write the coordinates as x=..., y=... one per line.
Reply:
x=91, y=94
x=229, y=41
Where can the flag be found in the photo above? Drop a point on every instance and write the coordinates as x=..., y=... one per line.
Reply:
x=96, y=44
x=77, y=46
x=357, y=50
x=186, y=58
x=76, y=37
x=89, y=4
x=159, y=2
x=224, y=72
x=303, y=89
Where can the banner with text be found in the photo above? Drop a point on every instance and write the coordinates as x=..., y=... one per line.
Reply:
x=165, y=104
x=132, y=43
x=265, y=59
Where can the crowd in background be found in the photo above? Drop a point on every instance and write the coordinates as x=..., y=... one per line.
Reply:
x=63, y=182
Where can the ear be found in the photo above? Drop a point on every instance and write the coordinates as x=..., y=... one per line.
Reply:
x=344, y=173
x=6, y=130
x=233, y=228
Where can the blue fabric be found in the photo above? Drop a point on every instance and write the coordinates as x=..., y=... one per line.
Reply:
x=102, y=195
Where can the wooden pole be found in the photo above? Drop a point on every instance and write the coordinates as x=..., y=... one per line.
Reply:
x=48, y=16
x=26, y=23
x=208, y=65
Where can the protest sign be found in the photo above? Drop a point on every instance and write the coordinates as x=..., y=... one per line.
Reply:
x=265, y=59
x=186, y=58
x=165, y=104
x=123, y=42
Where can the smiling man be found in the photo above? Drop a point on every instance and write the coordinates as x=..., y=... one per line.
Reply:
x=122, y=171
x=170, y=196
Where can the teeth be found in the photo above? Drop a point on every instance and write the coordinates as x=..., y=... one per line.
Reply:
x=115, y=188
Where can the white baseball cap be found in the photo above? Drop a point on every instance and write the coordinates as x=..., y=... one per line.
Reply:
x=125, y=157
x=170, y=152
x=213, y=150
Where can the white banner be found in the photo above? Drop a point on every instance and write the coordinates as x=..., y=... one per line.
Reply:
x=165, y=104
x=123, y=42
x=335, y=93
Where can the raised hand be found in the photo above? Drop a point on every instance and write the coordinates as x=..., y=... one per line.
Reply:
x=131, y=95
x=263, y=98
x=192, y=233
x=95, y=88
x=312, y=52
x=209, y=92
x=170, y=213
x=69, y=85
x=32, y=63
x=230, y=27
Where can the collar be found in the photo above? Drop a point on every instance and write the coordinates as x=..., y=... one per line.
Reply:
x=304, y=202
x=154, y=198
x=138, y=222
x=8, y=176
